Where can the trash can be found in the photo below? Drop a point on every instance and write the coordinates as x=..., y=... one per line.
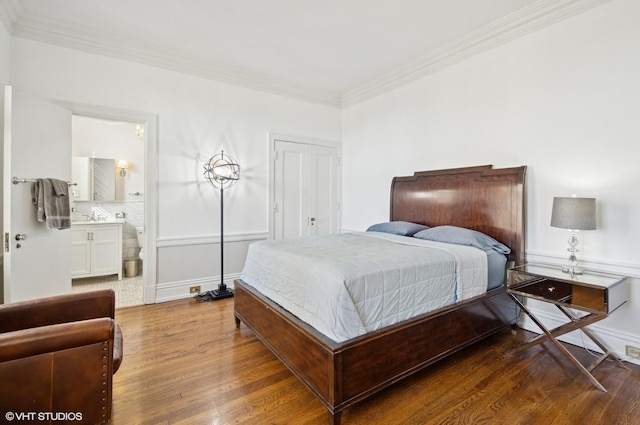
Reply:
x=131, y=268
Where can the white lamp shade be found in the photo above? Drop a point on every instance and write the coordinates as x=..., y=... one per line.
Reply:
x=122, y=164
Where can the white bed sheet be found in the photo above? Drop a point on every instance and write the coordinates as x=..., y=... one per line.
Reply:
x=350, y=284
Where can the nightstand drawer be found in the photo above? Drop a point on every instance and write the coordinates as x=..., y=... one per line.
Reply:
x=599, y=293
x=546, y=289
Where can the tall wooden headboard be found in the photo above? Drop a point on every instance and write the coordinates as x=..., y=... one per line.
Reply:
x=481, y=198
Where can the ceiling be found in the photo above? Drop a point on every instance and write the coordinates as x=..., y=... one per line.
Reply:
x=333, y=52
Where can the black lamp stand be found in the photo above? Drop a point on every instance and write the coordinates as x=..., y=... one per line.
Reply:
x=223, y=291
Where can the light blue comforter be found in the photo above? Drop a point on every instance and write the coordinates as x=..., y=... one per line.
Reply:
x=349, y=284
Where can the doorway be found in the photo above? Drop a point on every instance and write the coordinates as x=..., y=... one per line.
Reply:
x=108, y=169
x=149, y=126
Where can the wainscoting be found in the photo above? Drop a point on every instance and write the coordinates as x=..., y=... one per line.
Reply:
x=186, y=262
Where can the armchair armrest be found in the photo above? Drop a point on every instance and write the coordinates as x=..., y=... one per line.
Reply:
x=64, y=367
x=52, y=338
x=57, y=309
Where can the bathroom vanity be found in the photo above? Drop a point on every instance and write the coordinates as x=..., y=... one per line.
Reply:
x=96, y=248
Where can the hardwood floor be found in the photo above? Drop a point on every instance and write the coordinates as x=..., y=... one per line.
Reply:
x=186, y=363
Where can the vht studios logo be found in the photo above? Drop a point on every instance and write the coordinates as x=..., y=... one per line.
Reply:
x=43, y=416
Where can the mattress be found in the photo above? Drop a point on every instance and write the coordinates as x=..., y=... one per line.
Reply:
x=347, y=285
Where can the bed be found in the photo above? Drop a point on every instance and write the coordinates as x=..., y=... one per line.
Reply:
x=341, y=373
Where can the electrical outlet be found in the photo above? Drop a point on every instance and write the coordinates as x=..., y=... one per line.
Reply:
x=633, y=352
x=194, y=289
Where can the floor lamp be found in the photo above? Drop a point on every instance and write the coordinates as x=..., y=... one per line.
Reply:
x=222, y=172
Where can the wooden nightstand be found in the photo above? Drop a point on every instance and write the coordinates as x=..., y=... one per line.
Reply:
x=598, y=294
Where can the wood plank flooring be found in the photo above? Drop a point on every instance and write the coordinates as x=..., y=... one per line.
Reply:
x=186, y=363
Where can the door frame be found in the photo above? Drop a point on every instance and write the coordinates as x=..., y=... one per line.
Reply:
x=272, y=171
x=150, y=121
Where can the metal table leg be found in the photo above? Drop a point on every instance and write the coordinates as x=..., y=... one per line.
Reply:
x=575, y=324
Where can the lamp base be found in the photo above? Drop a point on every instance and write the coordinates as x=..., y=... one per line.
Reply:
x=217, y=294
x=572, y=272
x=221, y=292
x=572, y=265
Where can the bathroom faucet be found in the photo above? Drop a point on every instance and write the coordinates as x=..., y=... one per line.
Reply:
x=93, y=216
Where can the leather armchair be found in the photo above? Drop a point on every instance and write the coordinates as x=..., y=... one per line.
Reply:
x=57, y=358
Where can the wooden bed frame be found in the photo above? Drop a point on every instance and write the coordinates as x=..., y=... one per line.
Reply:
x=340, y=374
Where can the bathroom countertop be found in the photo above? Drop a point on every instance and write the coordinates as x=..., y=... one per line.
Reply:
x=94, y=222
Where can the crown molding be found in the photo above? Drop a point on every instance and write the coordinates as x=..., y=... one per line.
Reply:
x=10, y=11
x=84, y=39
x=525, y=21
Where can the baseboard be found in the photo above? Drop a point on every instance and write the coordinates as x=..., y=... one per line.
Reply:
x=180, y=289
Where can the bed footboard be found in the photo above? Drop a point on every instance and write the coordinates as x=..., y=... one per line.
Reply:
x=373, y=361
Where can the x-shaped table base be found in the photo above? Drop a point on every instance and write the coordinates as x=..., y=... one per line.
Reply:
x=574, y=324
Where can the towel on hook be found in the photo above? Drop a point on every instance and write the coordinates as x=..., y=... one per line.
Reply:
x=51, y=197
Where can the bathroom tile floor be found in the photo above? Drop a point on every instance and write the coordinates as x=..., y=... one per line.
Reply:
x=128, y=290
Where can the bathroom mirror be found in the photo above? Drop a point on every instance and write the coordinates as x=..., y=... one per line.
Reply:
x=95, y=178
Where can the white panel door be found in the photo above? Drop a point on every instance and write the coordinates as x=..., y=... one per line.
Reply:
x=323, y=190
x=291, y=209
x=306, y=189
x=37, y=144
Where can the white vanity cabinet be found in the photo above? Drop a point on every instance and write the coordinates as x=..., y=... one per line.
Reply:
x=96, y=249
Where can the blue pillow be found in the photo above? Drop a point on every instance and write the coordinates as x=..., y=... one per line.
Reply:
x=402, y=228
x=462, y=236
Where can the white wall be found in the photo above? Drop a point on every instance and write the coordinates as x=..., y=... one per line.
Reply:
x=5, y=55
x=196, y=119
x=564, y=101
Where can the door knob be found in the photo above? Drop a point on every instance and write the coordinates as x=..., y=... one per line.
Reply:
x=21, y=236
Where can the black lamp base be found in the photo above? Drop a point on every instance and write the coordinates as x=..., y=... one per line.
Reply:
x=217, y=294
x=221, y=292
